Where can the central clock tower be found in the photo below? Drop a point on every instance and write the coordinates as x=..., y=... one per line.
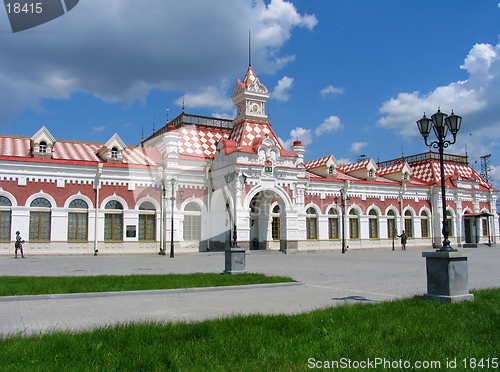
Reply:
x=250, y=97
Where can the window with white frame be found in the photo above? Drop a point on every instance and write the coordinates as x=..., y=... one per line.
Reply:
x=449, y=218
x=113, y=221
x=408, y=223
x=485, y=227
x=424, y=223
x=77, y=220
x=333, y=224
x=40, y=220
x=373, y=219
x=192, y=222
x=5, y=218
x=312, y=224
x=147, y=222
x=391, y=224
x=354, y=224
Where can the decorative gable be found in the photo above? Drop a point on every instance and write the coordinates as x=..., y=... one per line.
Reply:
x=42, y=143
x=365, y=169
x=112, y=151
x=326, y=166
x=400, y=172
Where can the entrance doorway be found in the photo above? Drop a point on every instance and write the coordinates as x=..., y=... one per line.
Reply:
x=267, y=221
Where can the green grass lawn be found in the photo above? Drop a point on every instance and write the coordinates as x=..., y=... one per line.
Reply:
x=411, y=330
x=34, y=285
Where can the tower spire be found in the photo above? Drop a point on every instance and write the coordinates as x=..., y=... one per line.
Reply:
x=249, y=49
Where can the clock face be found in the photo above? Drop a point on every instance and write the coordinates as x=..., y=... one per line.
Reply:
x=255, y=108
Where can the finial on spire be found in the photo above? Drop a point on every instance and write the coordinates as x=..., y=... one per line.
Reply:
x=167, y=113
x=154, y=122
x=183, y=103
x=142, y=138
x=249, y=49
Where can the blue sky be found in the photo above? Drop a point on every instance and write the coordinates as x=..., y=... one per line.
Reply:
x=347, y=77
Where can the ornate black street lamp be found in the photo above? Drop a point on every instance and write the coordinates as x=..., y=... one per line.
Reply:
x=232, y=179
x=343, y=201
x=441, y=122
x=163, y=223
x=172, y=198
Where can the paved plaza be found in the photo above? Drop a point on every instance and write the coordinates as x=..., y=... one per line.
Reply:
x=324, y=279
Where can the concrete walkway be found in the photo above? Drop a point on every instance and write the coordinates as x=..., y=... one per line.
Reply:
x=326, y=279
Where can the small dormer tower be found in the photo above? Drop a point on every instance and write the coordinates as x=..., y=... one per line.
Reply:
x=250, y=97
x=112, y=151
x=42, y=143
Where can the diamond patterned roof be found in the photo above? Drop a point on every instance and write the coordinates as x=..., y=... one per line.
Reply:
x=245, y=132
x=430, y=172
x=355, y=166
x=198, y=142
x=318, y=162
x=391, y=169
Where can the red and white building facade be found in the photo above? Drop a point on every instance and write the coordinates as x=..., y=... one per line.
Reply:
x=78, y=198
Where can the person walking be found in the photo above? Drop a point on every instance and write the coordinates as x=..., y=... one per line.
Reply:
x=19, y=243
x=404, y=238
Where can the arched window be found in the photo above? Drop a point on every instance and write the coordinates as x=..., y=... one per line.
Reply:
x=449, y=218
x=409, y=224
x=114, y=153
x=391, y=224
x=354, y=224
x=77, y=220
x=424, y=223
x=333, y=224
x=40, y=220
x=192, y=222
x=147, y=222
x=113, y=221
x=275, y=223
x=312, y=224
x=331, y=169
x=373, y=218
x=42, y=147
x=5, y=218
x=371, y=173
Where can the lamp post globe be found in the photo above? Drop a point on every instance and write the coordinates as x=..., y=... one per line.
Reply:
x=440, y=123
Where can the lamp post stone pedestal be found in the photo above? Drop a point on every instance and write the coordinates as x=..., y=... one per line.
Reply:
x=447, y=276
x=235, y=260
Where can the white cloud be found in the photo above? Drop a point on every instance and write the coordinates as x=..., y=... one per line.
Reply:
x=98, y=129
x=282, y=90
x=330, y=124
x=475, y=99
x=344, y=161
x=357, y=147
x=210, y=97
x=299, y=133
x=330, y=90
x=119, y=54
x=225, y=115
